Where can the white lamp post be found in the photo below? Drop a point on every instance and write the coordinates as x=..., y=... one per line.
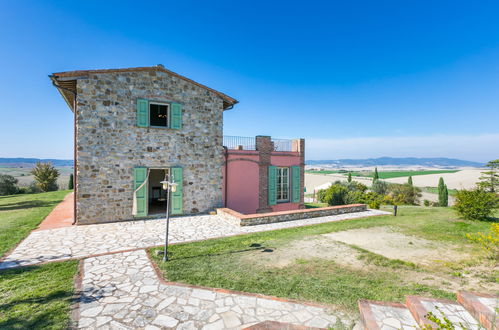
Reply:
x=168, y=186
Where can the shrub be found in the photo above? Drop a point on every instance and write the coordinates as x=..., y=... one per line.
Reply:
x=335, y=195
x=353, y=186
x=8, y=184
x=489, y=242
x=380, y=187
x=476, y=204
x=405, y=194
x=373, y=200
x=354, y=197
x=409, y=181
x=45, y=176
x=426, y=203
x=321, y=195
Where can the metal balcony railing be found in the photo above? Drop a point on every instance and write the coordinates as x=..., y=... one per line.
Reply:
x=239, y=142
x=282, y=145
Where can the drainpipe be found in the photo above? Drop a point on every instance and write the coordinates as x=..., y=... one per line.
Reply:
x=226, y=174
x=74, y=145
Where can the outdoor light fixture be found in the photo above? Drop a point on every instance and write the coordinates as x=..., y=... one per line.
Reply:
x=168, y=186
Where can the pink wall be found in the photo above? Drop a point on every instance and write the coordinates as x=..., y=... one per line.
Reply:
x=243, y=179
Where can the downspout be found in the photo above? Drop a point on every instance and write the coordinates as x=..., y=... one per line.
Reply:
x=226, y=174
x=74, y=145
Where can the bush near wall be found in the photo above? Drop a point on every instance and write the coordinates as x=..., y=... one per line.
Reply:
x=476, y=204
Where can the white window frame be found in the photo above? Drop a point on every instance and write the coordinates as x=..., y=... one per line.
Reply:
x=282, y=186
x=168, y=114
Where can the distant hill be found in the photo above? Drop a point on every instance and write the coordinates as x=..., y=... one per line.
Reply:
x=30, y=162
x=389, y=161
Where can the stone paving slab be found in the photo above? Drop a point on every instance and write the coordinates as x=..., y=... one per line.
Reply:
x=82, y=241
x=122, y=291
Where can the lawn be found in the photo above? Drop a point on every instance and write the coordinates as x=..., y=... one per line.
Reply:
x=19, y=214
x=37, y=297
x=398, y=174
x=261, y=262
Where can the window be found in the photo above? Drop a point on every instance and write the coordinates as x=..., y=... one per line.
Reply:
x=283, y=184
x=159, y=114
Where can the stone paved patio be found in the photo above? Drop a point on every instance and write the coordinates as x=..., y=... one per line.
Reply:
x=122, y=291
x=83, y=241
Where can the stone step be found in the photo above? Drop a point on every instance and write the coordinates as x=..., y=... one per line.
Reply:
x=454, y=312
x=385, y=315
x=484, y=307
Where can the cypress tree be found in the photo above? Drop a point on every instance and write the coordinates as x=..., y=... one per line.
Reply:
x=70, y=182
x=375, y=176
x=409, y=181
x=441, y=192
x=445, y=198
x=349, y=179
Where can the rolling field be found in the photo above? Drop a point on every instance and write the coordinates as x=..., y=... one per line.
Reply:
x=23, y=175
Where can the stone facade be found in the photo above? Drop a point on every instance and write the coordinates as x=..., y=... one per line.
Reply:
x=109, y=144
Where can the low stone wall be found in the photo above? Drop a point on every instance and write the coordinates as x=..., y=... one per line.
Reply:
x=263, y=218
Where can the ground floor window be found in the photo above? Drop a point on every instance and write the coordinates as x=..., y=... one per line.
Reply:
x=282, y=184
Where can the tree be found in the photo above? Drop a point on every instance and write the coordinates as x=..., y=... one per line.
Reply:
x=45, y=176
x=8, y=184
x=476, y=204
x=443, y=193
x=379, y=187
x=489, y=181
x=71, y=182
x=349, y=179
x=376, y=175
x=405, y=194
x=409, y=181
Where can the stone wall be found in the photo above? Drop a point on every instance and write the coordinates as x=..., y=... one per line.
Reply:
x=272, y=217
x=110, y=145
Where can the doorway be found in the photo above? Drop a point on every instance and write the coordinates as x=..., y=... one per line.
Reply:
x=157, y=195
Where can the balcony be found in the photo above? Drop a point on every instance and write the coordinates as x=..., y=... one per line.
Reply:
x=249, y=143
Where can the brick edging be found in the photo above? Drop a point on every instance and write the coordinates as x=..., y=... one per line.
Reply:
x=78, y=290
x=489, y=320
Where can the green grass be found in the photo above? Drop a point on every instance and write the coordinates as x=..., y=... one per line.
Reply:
x=434, y=190
x=37, y=297
x=398, y=174
x=315, y=205
x=219, y=262
x=19, y=214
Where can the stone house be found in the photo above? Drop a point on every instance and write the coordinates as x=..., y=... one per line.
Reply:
x=135, y=127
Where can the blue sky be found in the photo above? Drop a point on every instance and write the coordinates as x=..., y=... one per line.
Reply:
x=355, y=78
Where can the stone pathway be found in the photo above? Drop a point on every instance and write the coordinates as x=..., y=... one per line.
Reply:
x=83, y=241
x=122, y=291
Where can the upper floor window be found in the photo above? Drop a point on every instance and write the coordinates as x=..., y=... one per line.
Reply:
x=159, y=114
x=282, y=184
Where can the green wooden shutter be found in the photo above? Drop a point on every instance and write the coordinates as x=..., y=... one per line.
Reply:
x=142, y=113
x=176, y=116
x=139, y=176
x=272, y=185
x=295, y=184
x=177, y=196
